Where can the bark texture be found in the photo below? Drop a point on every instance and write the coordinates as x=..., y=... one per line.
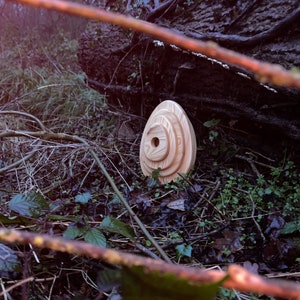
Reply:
x=138, y=72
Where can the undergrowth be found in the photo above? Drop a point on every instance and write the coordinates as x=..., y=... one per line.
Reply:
x=277, y=191
x=214, y=217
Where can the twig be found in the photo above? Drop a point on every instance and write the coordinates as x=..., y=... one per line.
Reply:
x=162, y=10
x=237, y=277
x=208, y=200
x=21, y=113
x=16, y=163
x=251, y=163
x=115, y=167
x=27, y=157
x=281, y=275
x=253, y=218
x=21, y=282
x=267, y=72
x=145, y=250
x=63, y=136
x=238, y=40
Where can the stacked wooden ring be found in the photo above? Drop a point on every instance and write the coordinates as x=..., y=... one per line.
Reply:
x=168, y=143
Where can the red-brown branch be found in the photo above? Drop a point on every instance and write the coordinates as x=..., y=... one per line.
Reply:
x=266, y=72
x=238, y=278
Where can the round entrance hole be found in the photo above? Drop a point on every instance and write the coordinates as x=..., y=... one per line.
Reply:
x=168, y=142
x=155, y=142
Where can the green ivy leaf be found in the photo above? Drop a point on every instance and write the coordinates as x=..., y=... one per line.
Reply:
x=156, y=174
x=213, y=135
x=95, y=236
x=114, y=225
x=9, y=262
x=73, y=231
x=115, y=200
x=184, y=250
x=211, y=123
x=268, y=191
x=291, y=227
x=32, y=204
x=83, y=198
x=140, y=284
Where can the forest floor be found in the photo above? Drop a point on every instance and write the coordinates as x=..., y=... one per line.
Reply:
x=240, y=204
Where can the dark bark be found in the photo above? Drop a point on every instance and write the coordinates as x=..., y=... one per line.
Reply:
x=138, y=72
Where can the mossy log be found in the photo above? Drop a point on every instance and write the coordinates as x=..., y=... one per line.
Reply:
x=138, y=72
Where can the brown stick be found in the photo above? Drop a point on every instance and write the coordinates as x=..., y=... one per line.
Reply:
x=238, y=278
x=21, y=282
x=266, y=72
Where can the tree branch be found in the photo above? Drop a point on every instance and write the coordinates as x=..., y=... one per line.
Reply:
x=266, y=72
x=238, y=277
x=238, y=40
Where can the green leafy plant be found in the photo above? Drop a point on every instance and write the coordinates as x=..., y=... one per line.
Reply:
x=83, y=198
x=114, y=225
x=31, y=204
x=83, y=229
x=291, y=227
x=94, y=235
x=212, y=125
x=183, y=250
x=9, y=261
x=280, y=190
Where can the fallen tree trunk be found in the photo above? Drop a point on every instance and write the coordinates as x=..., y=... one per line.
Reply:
x=139, y=72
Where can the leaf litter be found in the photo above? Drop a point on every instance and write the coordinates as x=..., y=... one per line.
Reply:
x=205, y=219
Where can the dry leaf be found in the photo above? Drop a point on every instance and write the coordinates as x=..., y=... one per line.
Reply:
x=177, y=205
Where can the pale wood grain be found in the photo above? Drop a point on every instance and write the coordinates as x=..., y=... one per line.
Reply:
x=168, y=142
